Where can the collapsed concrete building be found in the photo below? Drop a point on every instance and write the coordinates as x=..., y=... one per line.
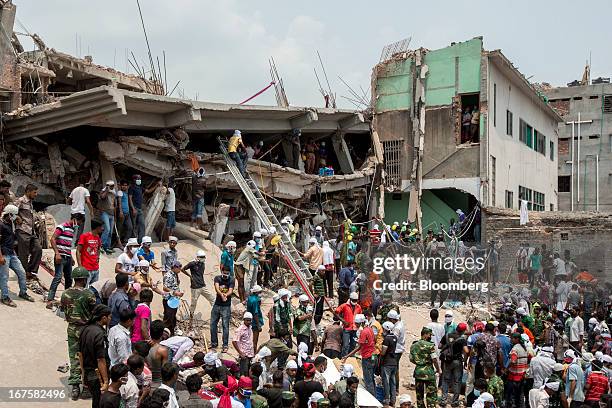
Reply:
x=435, y=165
x=67, y=121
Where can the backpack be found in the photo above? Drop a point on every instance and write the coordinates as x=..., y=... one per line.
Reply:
x=446, y=353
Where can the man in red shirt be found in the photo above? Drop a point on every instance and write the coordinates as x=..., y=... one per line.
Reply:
x=366, y=346
x=88, y=251
x=347, y=312
x=596, y=384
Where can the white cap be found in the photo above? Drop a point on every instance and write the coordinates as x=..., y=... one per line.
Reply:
x=256, y=289
x=376, y=226
x=388, y=326
x=569, y=354
x=264, y=352
x=231, y=244
x=354, y=296
x=132, y=242
x=251, y=244
x=143, y=263
x=598, y=355
x=393, y=315
x=257, y=234
x=319, y=228
x=172, y=238
x=304, y=298
x=404, y=399
x=237, y=132
x=200, y=254
x=247, y=315
x=521, y=311
x=448, y=313
x=359, y=318
x=110, y=183
x=284, y=292
x=314, y=397
x=395, y=223
x=291, y=364
x=486, y=397
x=312, y=241
x=146, y=240
x=593, y=320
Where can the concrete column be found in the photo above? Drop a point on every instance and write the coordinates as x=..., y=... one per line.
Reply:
x=220, y=223
x=254, y=219
x=107, y=171
x=342, y=152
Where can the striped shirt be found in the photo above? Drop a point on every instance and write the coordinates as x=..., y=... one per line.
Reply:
x=598, y=385
x=519, y=363
x=65, y=236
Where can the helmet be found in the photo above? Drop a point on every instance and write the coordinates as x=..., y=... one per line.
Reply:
x=272, y=230
x=257, y=234
x=393, y=315
x=263, y=232
x=146, y=240
x=200, y=254
x=79, y=272
x=10, y=209
x=303, y=298
x=247, y=315
x=231, y=244
x=319, y=228
x=312, y=241
x=388, y=326
x=354, y=296
x=359, y=318
x=143, y=263
x=251, y=244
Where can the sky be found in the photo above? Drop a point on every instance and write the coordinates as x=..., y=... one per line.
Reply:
x=219, y=49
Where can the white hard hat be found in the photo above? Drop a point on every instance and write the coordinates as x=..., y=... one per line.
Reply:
x=200, y=254
x=143, y=263
x=172, y=238
x=360, y=318
x=10, y=209
x=347, y=370
x=146, y=240
x=312, y=241
x=251, y=244
x=354, y=296
x=388, y=326
x=237, y=132
x=376, y=226
x=404, y=399
x=247, y=315
x=263, y=231
x=257, y=234
x=132, y=242
x=256, y=289
x=272, y=230
x=393, y=315
x=304, y=298
x=231, y=244
x=319, y=228
x=486, y=397
x=291, y=364
x=593, y=321
x=284, y=292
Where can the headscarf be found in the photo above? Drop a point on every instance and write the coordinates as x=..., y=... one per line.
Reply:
x=480, y=401
x=315, y=397
x=225, y=401
x=261, y=354
x=211, y=358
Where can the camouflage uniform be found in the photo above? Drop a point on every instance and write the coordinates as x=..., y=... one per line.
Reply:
x=282, y=316
x=76, y=303
x=495, y=387
x=421, y=353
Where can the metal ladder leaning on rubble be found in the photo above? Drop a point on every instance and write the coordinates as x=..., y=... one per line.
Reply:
x=263, y=211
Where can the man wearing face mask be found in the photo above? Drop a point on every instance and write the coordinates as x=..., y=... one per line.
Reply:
x=8, y=257
x=244, y=391
x=226, y=264
x=106, y=205
x=198, y=286
x=449, y=326
x=347, y=312
x=221, y=310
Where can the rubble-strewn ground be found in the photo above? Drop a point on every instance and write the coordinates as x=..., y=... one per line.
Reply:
x=35, y=339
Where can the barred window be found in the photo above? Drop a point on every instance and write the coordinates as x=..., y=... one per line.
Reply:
x=393, y=163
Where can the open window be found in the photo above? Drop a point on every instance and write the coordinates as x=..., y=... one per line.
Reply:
x=469, y=117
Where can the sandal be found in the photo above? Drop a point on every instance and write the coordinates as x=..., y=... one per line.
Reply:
x=9, y=302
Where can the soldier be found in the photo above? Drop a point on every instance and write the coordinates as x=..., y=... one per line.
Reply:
x=386, y=307
x=422, y=355
x=77, y=304
x=283, y=313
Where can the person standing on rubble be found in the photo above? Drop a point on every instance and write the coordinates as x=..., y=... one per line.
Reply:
x=61, y=242
x=170, y=255
x=232, y=148
x=8, y=258
x=88, y=251
x=198, y=286
x=28, y=243
x=170, y=207
x=222, y=309
x=124, y=224
x=78, y=198
x=198, y=188
x=136, y=198
x=106, y=205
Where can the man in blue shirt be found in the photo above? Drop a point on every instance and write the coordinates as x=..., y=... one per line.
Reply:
x=505, y=342
x=119, y=300
x=345, y=278
x=125, y=220
x=253, y=306
x=227, y=259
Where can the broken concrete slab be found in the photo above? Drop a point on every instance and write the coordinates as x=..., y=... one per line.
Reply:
x=221, y=217
x=154, y=209
x=74, y=156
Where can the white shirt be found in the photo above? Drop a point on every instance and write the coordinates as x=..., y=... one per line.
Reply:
x=173, y=403
x=328, y=255
x=576, y=329
x=538, y=398
x=541, y=367
x=78, y=197
x=170, y=200
x=235, y=404
x=129, y=391
x=400, y=333
x=559, y=265
x=128, y=264
x=119, y=344
x=179, y=346
x=438, y=332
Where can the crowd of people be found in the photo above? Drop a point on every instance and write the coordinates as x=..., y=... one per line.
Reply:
x=535, y=350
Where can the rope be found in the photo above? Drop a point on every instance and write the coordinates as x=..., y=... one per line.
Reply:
x=258, y=93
